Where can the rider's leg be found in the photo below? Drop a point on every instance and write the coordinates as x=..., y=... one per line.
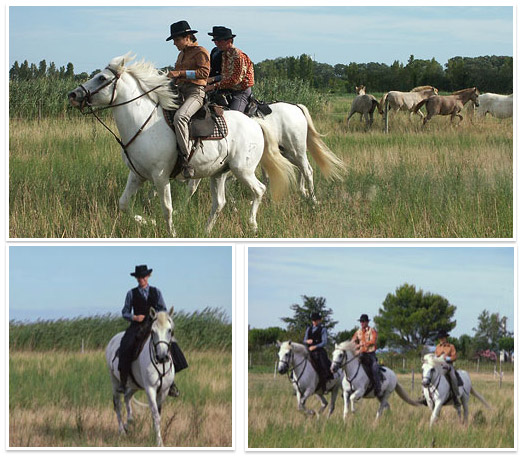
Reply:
x=454, y=385
x=376, y=374
x=240, y=100
x=127, y=346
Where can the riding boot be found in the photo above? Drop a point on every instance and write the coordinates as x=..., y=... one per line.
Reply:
x=174, y=391
x=454, y=386
x=186, y=168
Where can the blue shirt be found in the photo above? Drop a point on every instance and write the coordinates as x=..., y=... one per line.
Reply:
x=324, y=337
x=127, y=307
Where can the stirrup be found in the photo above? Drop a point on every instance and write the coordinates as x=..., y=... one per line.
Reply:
x=174, y=391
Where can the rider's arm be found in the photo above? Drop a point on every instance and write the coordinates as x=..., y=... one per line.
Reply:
x=161, y=306
x=306, y=336
x=324, y=339
x=126, y=312
x=451, y=354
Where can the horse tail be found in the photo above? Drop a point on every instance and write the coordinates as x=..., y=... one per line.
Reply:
x=478, y=396
x=329, y=164
x=419, y=105
x=382, y=103
x=404, y=396
x=279, y=170
x=137, y=402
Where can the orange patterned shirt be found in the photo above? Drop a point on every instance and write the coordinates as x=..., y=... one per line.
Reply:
x=366, y=340
x=237, y=71
x=447, y=349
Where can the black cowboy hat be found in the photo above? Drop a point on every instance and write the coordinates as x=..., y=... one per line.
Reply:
x=442, y=334
x=141, y=271
x=180, y=28
x=364, y=318
x=316, y=316
x=221, y=33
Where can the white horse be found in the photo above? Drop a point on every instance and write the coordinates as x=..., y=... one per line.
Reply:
x=498, y=105
x=137, y=94
x=356, y=383
x=294, y=359
x=437, y=389
x=152, y=371
x=406, y=101
x=294, y=131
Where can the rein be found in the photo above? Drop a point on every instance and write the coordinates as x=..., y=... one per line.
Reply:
x=87, y=102
x=155, y=363
x=356, y=371
x=291, y=371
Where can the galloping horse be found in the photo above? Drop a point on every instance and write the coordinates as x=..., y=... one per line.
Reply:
x=137, y=94
x=365, y=105
x=498, y=105
x=437, y=389
x=152, y=371
x=356, y=383
x=399, y=100
x=294, y=359
x=294, y=130
x=448, y=105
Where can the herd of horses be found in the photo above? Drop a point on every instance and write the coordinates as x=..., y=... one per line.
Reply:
x=138, y=95
x=350, y=376
x=497, y=105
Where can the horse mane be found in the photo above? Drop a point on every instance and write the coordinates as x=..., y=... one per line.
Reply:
x=297, y=347
x=163, y=318
x=422, y=88
x=148, y=77
x=433, y=360
x=465, y=90
x=347, y=346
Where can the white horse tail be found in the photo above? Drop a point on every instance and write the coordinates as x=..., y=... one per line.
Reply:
x=279, y=170
x=404, y=395
x=382, y=102
x=478, y=396
x=329, y=164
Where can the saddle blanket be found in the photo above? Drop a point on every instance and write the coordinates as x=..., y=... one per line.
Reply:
x=212, y=126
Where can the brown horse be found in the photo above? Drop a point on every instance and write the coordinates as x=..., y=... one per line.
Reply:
x=448, y=105
x=365, y=105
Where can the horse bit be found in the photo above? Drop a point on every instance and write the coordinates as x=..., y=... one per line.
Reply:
x=87, y=102
x=153, y=359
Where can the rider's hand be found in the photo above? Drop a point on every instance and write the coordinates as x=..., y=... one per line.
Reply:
x=210, y=88
x=312, y=348
x=174, y=74
x=309, y=341
x=139, y=318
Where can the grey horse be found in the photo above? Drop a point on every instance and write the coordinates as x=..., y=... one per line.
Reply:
x=365, y=105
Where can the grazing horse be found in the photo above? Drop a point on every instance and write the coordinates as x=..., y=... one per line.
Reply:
x=448, y=105
x=498, y=105
x=365, y=105
x=137, y=94
x=356, y=383
x=294, y=359
x=437, y=389
x=399, y=100
x=152, y=371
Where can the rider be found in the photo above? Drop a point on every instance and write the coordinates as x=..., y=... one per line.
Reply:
x=366, y=340
x=449, y=353
x=191, y=72
x=316, y=338
x=237, y=70
x=136, y=310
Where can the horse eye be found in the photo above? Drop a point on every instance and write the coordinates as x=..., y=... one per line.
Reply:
x=102, y=78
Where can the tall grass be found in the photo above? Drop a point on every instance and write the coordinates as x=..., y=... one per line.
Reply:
x=200, y=330
x=274, y=421
x=65, y=179
x=64, y=399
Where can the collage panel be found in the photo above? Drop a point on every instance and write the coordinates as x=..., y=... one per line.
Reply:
x=381, y=347
x=119, y=346
x=433, y=157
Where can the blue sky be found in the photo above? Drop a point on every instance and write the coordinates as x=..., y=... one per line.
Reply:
x=356, y=280
x=69, y=281
x=90, y=36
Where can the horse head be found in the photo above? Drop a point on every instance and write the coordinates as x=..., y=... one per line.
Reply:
x=359, y=90
x=161, y=334
x=343, y=354
x=475, y=96
x=285, y=356
x=430, y=364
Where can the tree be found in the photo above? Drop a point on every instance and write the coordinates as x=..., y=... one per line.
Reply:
x=258, y=337
x=344, y=335
x=301, y=318
x=491, y=327
x=506, y=343
x=410, y=319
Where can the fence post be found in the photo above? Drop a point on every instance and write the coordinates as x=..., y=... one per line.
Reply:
x=478, y=360
x=275, y=369
x=250, y=360
x=83, y=349
x=412, y=380
x=403, y=363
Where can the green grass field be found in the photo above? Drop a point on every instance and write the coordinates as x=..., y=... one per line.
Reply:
x=66, y=176
x=274, y=422
x=64, y=399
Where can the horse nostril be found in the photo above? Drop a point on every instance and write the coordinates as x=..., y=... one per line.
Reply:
x=72, y=95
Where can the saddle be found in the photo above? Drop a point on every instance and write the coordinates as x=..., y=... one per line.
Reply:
x=257, y=108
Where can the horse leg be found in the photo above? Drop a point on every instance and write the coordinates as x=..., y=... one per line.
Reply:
x=335, y=390
x=130, y=416
x=248, y=178
x=302, y=402
x=324, y=403
x=347, y=400
x=435, y=413
x=134, y=182
x=384, y=405
x=151, y=395
x=162, y=184
x=367, y=120
x=306, y=173
x=465, y=408
x=217, y=189
x=192, y=187
x=349, y=117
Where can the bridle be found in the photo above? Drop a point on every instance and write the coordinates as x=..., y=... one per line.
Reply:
x=87, y=103
x=344, y=362
x=153, y=358
x=291, y=371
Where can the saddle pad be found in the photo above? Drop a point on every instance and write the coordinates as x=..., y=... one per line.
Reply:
x=209, y=128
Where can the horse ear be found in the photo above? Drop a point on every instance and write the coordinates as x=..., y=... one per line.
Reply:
x=153, y=313
x=290, y=342
x=278, y=343
x=171, y=311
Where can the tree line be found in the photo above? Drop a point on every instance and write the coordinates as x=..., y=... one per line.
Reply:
x=488, y=73
x=407, y=322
